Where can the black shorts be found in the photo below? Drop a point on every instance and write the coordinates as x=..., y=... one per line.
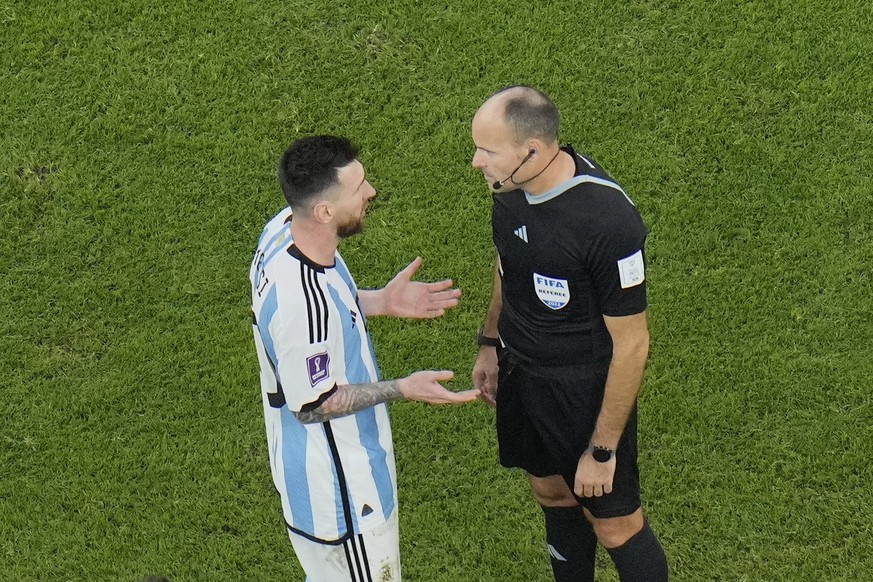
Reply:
x=545, y=418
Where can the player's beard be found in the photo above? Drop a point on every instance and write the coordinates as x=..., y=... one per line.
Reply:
x=354, y=225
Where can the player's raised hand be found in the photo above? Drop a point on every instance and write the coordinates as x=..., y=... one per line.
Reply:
x=425, y=386
x=407, y=298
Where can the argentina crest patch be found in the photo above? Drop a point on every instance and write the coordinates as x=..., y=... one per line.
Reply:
x=554, y=293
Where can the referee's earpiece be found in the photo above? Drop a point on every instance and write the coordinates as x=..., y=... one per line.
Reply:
x=499, y=184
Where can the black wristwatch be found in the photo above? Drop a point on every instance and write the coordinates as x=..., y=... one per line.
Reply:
x=484, y=340
x=602, y=454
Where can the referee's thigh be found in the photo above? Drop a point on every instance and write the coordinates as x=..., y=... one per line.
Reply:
x=373, y=556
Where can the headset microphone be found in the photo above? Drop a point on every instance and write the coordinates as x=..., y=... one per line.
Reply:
x=499, y=184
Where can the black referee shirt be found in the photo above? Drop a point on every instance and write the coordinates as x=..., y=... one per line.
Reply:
x=567, y=258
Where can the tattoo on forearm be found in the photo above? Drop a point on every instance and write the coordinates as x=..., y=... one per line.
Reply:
x=352, y=398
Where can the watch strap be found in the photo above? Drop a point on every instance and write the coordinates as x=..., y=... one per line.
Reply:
x=484, y=340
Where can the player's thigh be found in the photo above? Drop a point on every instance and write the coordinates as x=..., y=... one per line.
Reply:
x=371, y=556
x=383, y=551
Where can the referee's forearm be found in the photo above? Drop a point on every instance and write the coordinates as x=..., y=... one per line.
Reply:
x=489, y=325
x=619, y=396
x=630, y=350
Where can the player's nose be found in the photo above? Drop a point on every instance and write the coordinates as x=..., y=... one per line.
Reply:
x=369, y=192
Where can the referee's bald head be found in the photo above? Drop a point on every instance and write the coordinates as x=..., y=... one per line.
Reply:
x=527, y=112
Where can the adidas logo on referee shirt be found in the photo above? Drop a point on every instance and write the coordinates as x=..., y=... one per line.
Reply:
x=521, y=232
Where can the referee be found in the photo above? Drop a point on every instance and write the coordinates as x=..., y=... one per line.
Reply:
x=328, y=434
x=565, y=340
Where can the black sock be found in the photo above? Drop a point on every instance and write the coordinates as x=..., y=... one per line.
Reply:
x=641, y=558
x=571, y=544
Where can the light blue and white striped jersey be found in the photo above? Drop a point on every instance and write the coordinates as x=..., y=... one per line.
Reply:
x=336, y=478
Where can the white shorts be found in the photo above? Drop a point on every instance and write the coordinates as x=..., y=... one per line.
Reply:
x=373, y=556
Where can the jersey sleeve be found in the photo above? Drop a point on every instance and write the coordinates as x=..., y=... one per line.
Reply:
x=305, y=368
x=617, y=263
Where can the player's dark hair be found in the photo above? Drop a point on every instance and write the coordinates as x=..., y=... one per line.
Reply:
x=311, y=165
x=530, y=113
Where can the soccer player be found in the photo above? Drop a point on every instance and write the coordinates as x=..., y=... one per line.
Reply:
x=328, y=434
x=568, y=318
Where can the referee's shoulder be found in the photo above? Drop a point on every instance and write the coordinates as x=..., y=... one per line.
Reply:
x=609, y=209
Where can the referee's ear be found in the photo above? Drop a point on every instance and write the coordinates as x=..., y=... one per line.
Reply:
x=535, y=146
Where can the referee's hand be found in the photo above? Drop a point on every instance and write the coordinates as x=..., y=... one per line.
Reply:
x=485, y=375
x=425, y=387
x=593, y=479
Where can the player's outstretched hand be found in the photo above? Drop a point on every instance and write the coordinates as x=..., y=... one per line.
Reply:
x=407, y=298
x=425, y=387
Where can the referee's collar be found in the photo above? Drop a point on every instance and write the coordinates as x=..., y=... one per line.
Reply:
x=582, y=176
x=563, y=186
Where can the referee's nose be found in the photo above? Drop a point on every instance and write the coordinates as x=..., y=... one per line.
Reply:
x=478, y=160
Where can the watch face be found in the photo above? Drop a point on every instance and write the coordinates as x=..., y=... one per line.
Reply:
x=601, y=455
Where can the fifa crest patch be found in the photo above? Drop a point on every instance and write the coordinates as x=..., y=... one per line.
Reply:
x=631, y=270
x=317, y=367
x=554, y=293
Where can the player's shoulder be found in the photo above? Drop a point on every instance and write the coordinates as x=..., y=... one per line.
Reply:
x=275, y=254
x=295, y=288
x=278, y=223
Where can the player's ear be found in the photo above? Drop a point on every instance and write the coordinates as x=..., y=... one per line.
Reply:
x=323, y=211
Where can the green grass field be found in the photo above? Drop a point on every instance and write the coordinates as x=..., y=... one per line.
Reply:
x=138, y=143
